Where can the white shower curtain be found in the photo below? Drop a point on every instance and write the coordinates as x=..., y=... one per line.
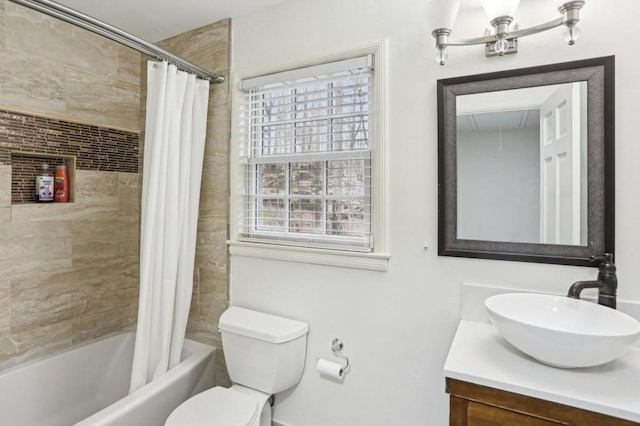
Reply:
x=173, y=153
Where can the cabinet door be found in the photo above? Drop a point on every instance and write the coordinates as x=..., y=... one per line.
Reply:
x=486, y=415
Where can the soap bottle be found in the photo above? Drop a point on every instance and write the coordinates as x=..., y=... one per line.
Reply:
x=61, y=184
x=44, y=185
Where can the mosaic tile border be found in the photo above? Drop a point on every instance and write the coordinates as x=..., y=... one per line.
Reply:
x=94, y=148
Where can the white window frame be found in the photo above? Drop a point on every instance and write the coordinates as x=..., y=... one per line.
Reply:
x=377, y=259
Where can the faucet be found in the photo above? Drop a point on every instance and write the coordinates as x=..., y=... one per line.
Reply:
x=606, y=283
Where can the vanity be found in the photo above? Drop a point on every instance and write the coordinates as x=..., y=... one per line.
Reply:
x=490, y=383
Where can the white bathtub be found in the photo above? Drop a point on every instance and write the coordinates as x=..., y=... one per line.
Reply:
x=88, y=385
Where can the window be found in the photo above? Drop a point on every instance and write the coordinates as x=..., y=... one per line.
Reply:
x=309, y=162
x=306, y=152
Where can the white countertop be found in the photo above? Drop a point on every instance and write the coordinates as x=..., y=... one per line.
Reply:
x=480, y=355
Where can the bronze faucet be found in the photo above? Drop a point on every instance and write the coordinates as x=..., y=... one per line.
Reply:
x=606, y=283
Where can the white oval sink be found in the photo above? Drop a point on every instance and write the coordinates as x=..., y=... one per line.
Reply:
x=560, y=331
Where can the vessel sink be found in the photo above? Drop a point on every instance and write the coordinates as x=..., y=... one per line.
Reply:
x=560, y=331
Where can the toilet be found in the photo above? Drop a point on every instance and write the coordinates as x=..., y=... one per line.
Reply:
x=265, y=355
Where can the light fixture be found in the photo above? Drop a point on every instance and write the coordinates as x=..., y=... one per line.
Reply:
x=501, y=13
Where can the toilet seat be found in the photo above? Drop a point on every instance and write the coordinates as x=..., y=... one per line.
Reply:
x=216, y=406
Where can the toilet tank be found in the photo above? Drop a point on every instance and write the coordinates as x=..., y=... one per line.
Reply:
x=263, y=351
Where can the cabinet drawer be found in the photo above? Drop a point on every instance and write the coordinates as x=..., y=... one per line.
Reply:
x=486, y=415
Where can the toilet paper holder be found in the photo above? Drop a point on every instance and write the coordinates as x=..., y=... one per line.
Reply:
x=336, y=347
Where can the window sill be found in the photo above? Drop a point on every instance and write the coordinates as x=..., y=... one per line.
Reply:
x=368, y=261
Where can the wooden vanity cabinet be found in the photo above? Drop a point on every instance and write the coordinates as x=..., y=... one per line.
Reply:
x=476, y=405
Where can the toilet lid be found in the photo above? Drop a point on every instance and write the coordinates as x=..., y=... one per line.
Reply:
x=216, y=406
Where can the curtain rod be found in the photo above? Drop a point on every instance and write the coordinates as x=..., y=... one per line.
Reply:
x=74, y=17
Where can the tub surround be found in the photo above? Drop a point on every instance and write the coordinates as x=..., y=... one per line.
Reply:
x=68, y=272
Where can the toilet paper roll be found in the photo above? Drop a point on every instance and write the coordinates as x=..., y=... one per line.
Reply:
x=330, y=369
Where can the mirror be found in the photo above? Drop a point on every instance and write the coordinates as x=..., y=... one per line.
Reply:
x=526, y=166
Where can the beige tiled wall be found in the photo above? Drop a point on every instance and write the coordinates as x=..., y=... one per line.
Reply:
x=209, y=47
x=56, y=69
x=68, y=272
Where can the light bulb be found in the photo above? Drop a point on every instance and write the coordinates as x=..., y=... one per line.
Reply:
x=501, y=46
x=442, y=13
x=498, y=8
x=571, y=34
x=441, y=56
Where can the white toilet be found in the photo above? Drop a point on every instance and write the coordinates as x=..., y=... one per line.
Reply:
x=265, y=355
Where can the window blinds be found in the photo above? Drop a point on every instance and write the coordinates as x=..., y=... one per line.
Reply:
x=306, y=151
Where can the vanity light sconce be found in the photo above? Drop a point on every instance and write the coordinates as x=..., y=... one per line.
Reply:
x=501, y=13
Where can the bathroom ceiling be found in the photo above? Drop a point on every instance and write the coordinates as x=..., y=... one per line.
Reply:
x=154, y=20
x=504, y=120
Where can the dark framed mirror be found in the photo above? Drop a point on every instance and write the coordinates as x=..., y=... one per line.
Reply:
x=526, y=163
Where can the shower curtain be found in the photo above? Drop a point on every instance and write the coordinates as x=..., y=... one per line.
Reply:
x=173, y=153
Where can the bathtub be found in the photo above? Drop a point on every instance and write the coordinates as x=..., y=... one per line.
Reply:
x=88, y=385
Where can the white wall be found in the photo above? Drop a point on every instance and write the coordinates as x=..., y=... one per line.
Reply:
x=397, y=326
x=499, y=185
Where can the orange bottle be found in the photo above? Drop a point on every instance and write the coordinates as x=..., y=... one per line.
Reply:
x=61, y=184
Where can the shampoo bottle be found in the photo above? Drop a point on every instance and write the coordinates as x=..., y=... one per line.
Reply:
x=61, y=184
x=44, y=185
